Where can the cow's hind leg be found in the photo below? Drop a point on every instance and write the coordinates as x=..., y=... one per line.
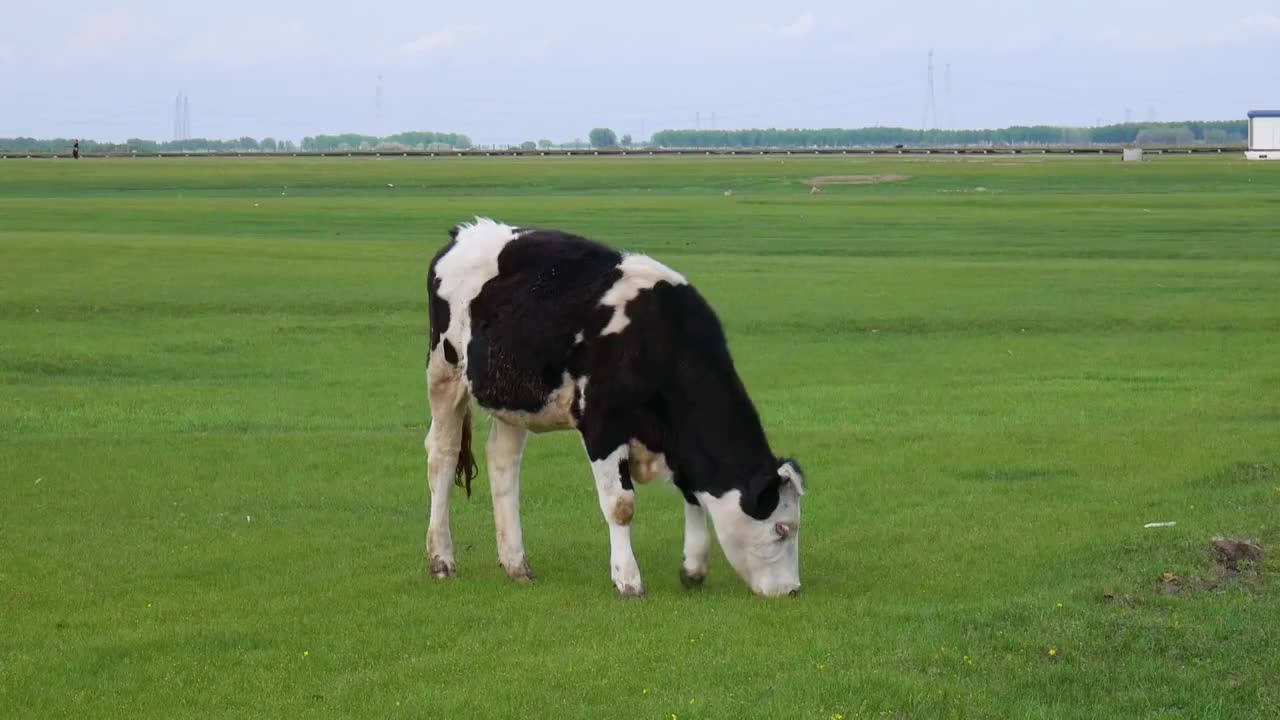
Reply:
x=502, y=455
x=697, y=545
x=449, y=457
x=618, y=503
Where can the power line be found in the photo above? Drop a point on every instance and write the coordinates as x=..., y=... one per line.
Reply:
x=181, y=117
x=931, y=106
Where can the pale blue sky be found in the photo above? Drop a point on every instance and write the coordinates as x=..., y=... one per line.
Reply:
x=511, y=71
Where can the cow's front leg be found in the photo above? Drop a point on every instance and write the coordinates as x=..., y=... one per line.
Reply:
x=697, y=545
x=618, y=503
x=502, y=454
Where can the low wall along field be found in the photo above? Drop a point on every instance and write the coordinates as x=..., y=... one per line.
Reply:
x=995, y=371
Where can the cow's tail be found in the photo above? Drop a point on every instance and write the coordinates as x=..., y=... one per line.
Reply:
x=467, y=468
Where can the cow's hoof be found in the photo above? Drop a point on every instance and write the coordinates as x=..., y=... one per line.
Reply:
x=691, y=582
x=441, y=568
x=627, y=592
x=520, y=573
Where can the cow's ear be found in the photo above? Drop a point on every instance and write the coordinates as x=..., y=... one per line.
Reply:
x=762, y=494
x=790, y=473
x=453, y=232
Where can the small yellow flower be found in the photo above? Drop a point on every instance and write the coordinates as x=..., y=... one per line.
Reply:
x=645, y=691
x=968, y=660
x=306, y=653
x=821, y=667
x=1053, y=652
x=1059, y=605
x=837, y=716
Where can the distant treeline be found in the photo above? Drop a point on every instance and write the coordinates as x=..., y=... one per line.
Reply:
x=62, y=145
x=1172, y=133
x=419, y=140
x=319, y=143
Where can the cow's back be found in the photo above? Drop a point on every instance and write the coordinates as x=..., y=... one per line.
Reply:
x=521, y=308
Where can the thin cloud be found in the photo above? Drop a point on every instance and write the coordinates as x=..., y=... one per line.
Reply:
x=102, y=36
x=1240, y=32
x=259, y=43
x=447, y=38
x=1260, y=25
x=802, y=26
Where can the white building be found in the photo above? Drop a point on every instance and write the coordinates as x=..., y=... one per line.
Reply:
x=1264, y=135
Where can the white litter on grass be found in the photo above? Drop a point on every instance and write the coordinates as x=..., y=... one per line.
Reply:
x=39, y=480
x=246, y=518
x=1161, y=524
x=255, y=204
x=391, y=185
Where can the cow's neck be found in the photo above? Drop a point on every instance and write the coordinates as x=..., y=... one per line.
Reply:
x=719, y=437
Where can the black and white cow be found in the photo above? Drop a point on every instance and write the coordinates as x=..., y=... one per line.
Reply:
x=551, y=331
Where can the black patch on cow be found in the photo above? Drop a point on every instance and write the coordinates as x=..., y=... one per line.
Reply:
x=668, y=381
x=437, y=307
x=624, y=473
x=524, y=320
x=689, y=497
x=575, y=408
x=450, y=355
x=760, y=497
x=576, y=363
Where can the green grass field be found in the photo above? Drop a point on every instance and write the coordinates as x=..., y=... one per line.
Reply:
x=212, y=406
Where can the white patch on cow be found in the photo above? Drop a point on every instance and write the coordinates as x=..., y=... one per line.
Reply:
x=582, y=394
x=697, y=542
x=469, y=264
x=768, y=562
x=554, y=415
x=639, y=273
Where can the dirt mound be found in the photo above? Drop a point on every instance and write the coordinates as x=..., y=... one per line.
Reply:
x=1229, y=553
x=855, y=179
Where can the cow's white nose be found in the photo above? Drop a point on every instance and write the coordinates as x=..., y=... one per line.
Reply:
x=781, y=591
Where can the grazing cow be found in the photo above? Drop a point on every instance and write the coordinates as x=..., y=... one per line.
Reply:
x=551, y=331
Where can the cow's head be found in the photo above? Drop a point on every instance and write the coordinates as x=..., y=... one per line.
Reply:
x=759, y=529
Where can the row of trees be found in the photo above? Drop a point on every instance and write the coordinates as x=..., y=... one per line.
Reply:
x=417, y=140
x=1183, y=133
x=244, y=144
